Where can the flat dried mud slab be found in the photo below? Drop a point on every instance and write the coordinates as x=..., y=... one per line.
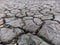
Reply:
x=27, y=22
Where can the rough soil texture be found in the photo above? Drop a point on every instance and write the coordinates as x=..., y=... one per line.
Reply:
x=29, y=22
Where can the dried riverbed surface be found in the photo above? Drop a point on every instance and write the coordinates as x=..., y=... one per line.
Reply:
x=29, y=22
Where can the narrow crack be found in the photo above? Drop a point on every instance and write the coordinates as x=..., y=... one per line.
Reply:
x=43, y=38
x=39, y=28
x=9, y=26
x=46, y=40
x=10, y=41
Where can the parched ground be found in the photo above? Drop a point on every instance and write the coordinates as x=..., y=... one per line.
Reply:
x=29, y=22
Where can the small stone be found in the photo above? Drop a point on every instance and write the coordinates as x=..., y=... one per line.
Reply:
x=10, y=19
x=51, y=31
x=2, y=15
x=29, y=39
x=57, y=17
x=36, y=12
x=47, y=17
x=30, y=26
x=1, y=21
x=18, y=31
x=27, y=18
x=38, y=16
x=21, y=6
x=10, y=14
x=15, y=11
x=16, y=23
x=7, y=34
x=30, y=13
x=24, y=11
x=57, y=10
x=20, y=15
x=37, y=21
x=45, y=11
x=1, y=26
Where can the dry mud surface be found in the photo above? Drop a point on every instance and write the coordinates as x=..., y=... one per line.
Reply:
x=29, y=22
